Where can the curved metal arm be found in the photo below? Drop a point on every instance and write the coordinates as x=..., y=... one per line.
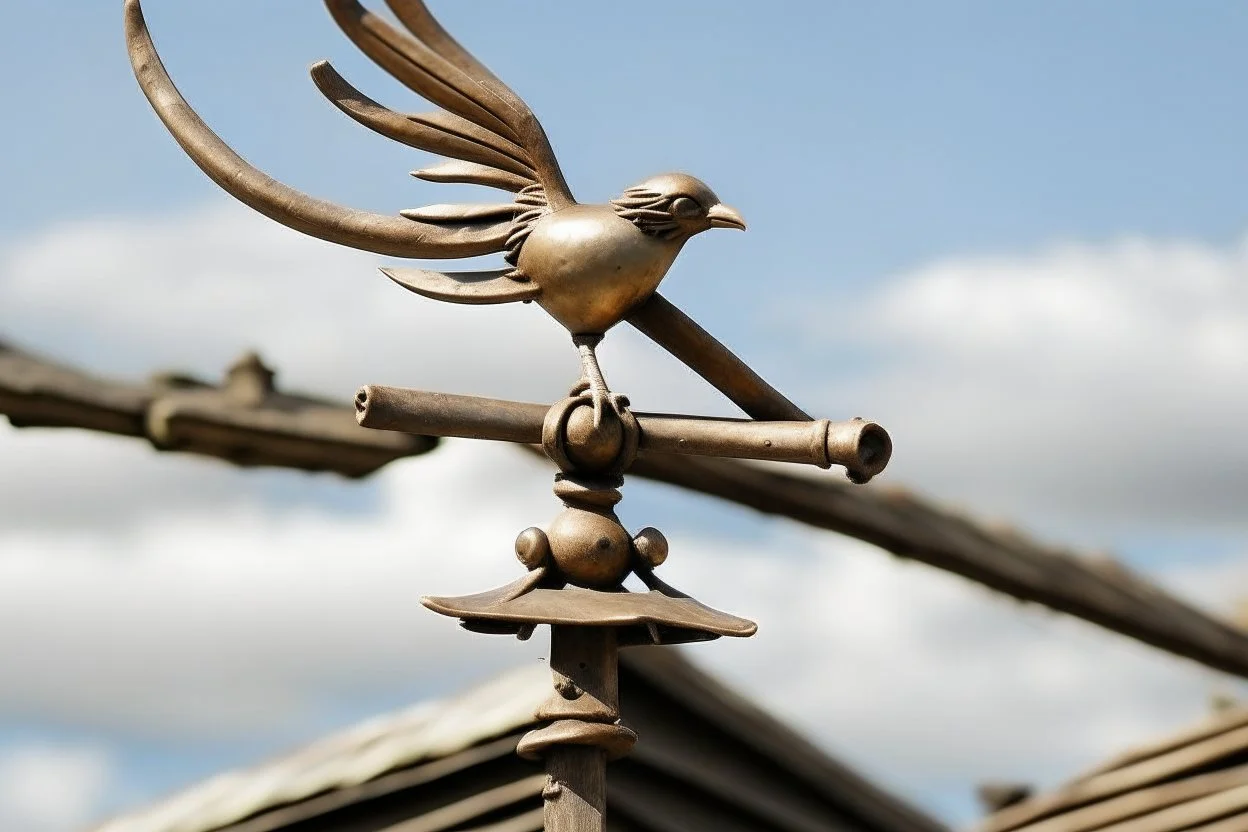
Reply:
x=390, y=235
x=662, y=322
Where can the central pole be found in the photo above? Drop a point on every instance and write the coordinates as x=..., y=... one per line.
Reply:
x=584, y=729
x=584, y=662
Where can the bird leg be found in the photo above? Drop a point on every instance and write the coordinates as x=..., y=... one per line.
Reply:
x=592, y=380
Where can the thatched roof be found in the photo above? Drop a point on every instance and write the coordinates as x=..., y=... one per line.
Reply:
x=706, y=759
x=1196, y=781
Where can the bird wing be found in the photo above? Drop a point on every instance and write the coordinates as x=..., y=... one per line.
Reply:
x=490, y=133
x=463, y=287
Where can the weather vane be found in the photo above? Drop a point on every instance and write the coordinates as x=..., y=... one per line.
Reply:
x=589, y=267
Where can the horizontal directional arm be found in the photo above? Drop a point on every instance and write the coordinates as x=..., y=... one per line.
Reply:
x=862, y=447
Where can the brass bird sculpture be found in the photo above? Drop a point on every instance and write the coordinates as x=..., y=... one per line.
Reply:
x=588, y=266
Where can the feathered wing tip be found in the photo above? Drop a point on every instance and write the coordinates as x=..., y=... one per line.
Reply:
x=442, y=133
x=415, y=16
x=456, y=214
x=390, y=235
x=470, y=173
x=487, y=287
x=496, y=138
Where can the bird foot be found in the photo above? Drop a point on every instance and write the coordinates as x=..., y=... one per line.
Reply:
x=601, y=398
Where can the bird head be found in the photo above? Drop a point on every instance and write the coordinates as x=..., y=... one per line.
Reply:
x=675, y=206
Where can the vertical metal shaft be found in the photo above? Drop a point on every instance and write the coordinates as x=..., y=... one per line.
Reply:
x=576, y=800
x=584, y=662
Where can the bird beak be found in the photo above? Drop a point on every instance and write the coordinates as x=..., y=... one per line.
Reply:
x=722, y=216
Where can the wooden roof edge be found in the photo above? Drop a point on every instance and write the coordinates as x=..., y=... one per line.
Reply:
x=376, y=755
x=1005, y=561
x=419, y=745
x=1218, y=723
x=38, y=392
x=1172, y=764
x=672, y=672
x=1141, y=804
x=245, y=420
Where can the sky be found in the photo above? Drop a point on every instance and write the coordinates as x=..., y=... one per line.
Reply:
x=1014, y=234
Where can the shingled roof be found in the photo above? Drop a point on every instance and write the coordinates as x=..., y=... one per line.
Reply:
x=706, y=760
x=1195, y=781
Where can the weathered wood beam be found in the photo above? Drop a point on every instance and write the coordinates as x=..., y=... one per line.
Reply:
x=1100, y=591
x=245, y=420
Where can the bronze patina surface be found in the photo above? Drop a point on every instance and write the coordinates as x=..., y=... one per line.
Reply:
x=589, y=267
x=863, y=448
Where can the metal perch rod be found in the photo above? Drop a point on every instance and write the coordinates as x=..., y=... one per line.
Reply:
x=862, y=447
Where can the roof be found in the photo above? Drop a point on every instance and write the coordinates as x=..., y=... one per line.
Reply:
x=245, y=420
x=1195, y=780
x=706, y=758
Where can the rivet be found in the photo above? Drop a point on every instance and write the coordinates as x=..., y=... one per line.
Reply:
x=568, y=689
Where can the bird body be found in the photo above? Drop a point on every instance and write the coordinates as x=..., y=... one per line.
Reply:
x=593, y=266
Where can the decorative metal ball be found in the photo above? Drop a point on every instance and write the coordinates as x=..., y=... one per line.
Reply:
x=590, y=549
x=590, y=447
x=651, y=547
x=533, y=548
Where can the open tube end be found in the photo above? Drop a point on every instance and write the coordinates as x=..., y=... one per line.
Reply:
x=864, y=448
x=363, y=401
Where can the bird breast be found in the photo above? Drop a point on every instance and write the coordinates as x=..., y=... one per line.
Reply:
x=593, y=267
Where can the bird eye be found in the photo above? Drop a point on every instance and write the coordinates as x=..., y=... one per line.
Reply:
x=686, y=208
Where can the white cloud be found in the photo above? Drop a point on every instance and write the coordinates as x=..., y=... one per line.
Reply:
x=227, y=619
x=52, y=788
x=1085, y=385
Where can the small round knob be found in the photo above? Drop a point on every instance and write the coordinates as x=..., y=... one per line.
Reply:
x=589, y=447
x=533, y=548
x=591, y=549
x=651, y=547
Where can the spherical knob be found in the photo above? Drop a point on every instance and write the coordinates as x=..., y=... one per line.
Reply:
x=651, y=547
x=533, y=548
x=590, y=447
x=590, y=549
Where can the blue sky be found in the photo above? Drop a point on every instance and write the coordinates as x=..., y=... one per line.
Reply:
x=890, y=133
x=910, y=173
